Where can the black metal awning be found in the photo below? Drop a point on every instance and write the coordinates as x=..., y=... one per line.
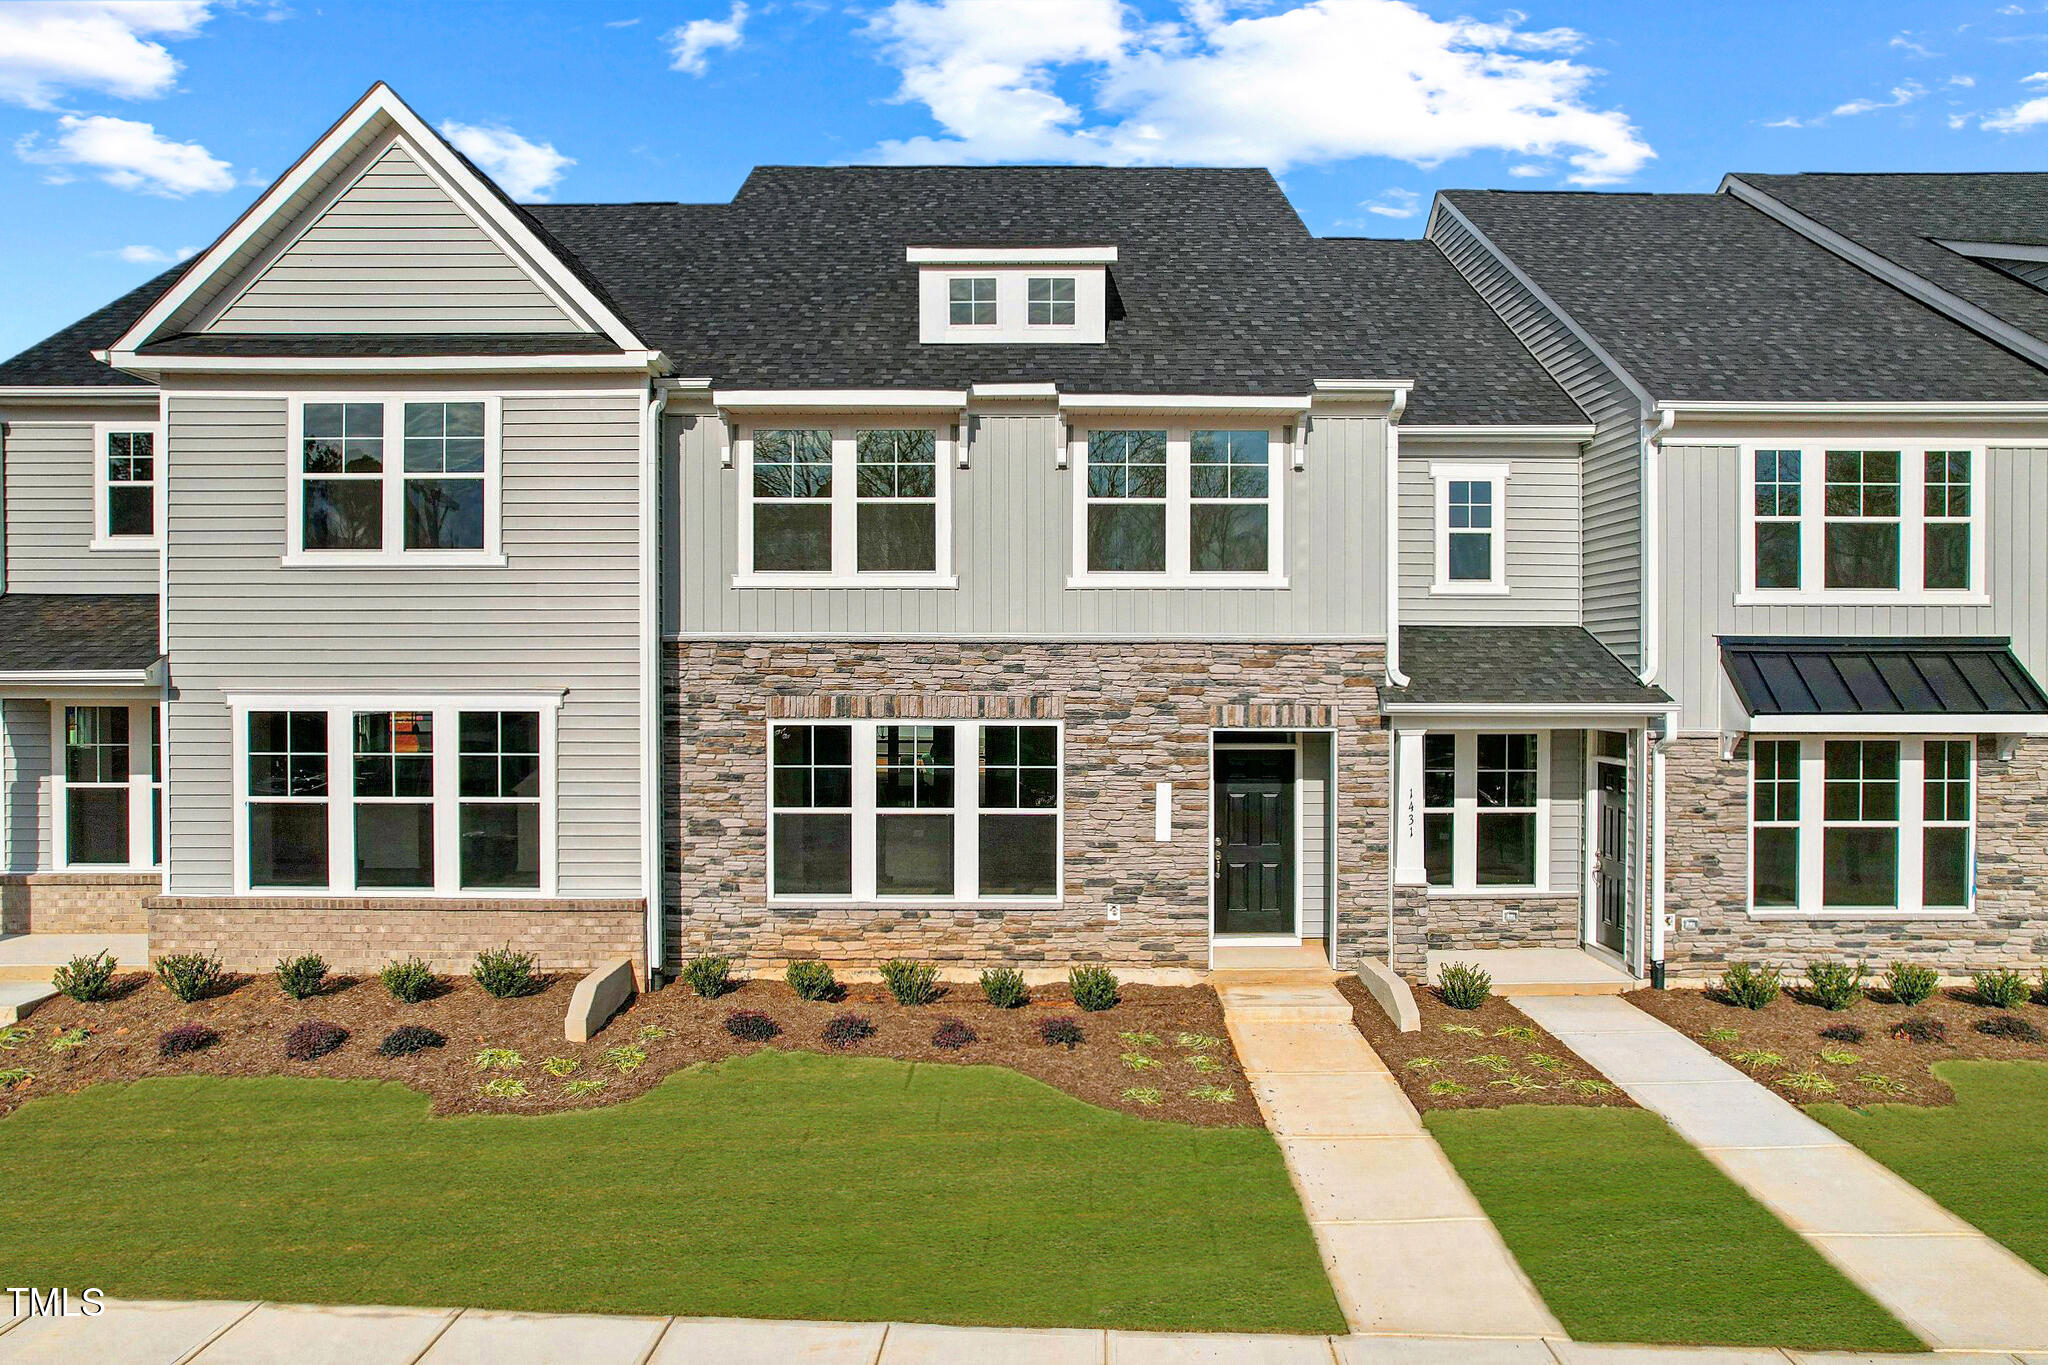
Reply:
x=1876, y=678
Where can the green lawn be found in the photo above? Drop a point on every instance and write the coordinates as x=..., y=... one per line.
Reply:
x=782, y=1185
x=1984, y=1158
x=1631, y=1235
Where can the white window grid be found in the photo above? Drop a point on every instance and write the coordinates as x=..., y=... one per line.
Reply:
x=140, y=757
x=1104, y=475
x=1466, y=810
x=374, y=429
x=971, y=301
x=837, y=483
x=1454, y=517
x=116, y=448
x=1049, y=301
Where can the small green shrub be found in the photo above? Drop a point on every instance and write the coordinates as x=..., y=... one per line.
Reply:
x=1750, y=987
x=652, y=1032
x=1909, y=983
x=70, y=1039
x=189, y=976
x=1722, y=1035
x=1464, y=986
x=559, y=1067
x=1836, y=1056
x=1060, y=1032
x=12, y=1036
x=184, y=1038
x=1588, y=1086
x=1516, y=1083
x=1492, y=1061
x=845, y=1030
x=710, y=977
x=1213, y=1094
x=1520, y=1033
x=751, y=1026
x=1004, y=987
x=811, y=980
x=1463, y=1030
x=1834, y=985
x=1808, y=1083
x=912, y=983
x=503, y=1088
x=1207, y=1065
x=1882, y=1084
x=1422, y=1064
x=505, y=972
x=1138, y=1038
x=86, y=978
x=301, y=977
x=15, y=1075
x=497, y=1059
x=1545, y=1062
x=407, y=1039
x=410, y=980
x=1196, y=1042
x=1757, y=1057
x=2001, y=989
x=1094, y=988
x=1144, y=1095
x=1138, y=1061
x=1444, y=1088
x=590, y=1085
x=625, y=1058
x=2008, y=1026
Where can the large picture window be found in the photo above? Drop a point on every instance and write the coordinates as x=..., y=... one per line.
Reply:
x=1188, y=506
x=127, y=487
x=914, y=811
x=1832, y=523
x=851, y=505
x=394, y=478
x=104, y=796
x=1485, y=816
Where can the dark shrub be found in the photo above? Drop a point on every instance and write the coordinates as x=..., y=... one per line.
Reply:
x=710, y=977
x=189, y=976
x=751, y=1026
x=1004, y=987
x=409, y=981
x=812, y=980
x=86, y=978
x=1463, y=986
x=847, y=1029
x=504, y=972
x=314, y=1038
x=1834, y=985
x=1842, y=1033
x=2001, y=989
x=1094, y=988
x=1920, y=1028
x=1909, y=983
x=912, y=983
x=1750, y=987
x=185, y=1038
x=952, y=1035
x=1060, y=1032
x=407, y=1039
x=301, y=977
x=2008, y=1026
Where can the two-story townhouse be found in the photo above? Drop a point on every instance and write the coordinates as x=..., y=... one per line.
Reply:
x=1821, y=501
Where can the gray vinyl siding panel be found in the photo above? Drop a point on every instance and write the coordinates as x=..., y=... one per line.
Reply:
x=1315, y=827
x=25, y=774
x=1541, y=544
x=562, y=614
x=1012, y=548
x=48, y=501
x=1612, y=503
x=1567, y=810
x=1702, y=571
x=393, y=254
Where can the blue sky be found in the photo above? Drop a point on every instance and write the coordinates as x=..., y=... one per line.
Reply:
x=132, y=131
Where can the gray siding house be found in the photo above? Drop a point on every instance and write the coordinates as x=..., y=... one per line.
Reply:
x=1013, y=565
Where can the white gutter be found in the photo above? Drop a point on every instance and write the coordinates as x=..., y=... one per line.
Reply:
x=1395, y=677
x=1181, y=402
x=1652, y=522
x=1580, y=432
x=1715, y=407
x=1010, y=255
x=638, y=362
x=77, y=393
x=923, y=400
x=152, y=676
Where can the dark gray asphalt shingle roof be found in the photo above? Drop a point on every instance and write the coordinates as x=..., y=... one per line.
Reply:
x=1862, y=677
x=1899, y=217
x=65, y=358
x=77, y=632
x=1514, y=666
x=1701, y=297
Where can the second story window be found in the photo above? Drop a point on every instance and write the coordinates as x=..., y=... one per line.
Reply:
x=1471, y=505
x=1049, y=301
x=1824, y=522
x=1179, y=506
x=394, y=478
x=126, y=479
x=845, y=504
x=1862, y=519
x=971, y=301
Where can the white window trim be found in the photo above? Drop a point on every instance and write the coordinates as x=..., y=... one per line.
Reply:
x=142, y=786
x=101, y=541
x=845, y=572
x=1813, y=825
x=393, y=478
x=1465, y=819
x=447, y=799
x=1813, y=527
x=966, y=809
x=1442, y=474
x=1012, y=278
x=1180, y=508
x=1053, y=328
x=996, y=303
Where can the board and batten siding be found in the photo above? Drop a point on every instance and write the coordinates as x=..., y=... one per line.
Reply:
x=1613, y=463
x=1541, y=542
x=562, y=614
x=1702, y=571
x=392, y=254
x=49, y=506
x=1012, y=552
x=25, y=773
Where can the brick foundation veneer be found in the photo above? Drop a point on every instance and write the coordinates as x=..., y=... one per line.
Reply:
x=76, y=902
x=357, y=935
x=1706, y=856
x=1136, y=713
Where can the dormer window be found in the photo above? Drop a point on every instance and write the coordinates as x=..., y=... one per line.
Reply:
x=971, y=302
x=1012, y=295
x=1050, y=301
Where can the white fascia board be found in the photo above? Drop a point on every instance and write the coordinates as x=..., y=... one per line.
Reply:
x=1180, y=402
x=1742, y=408
x=423, y=699
x=110, y=677
x=1475, y=433
x=631, y=362
x=1561, y=716
x=1013, y=391
x=1339, y=387
x=81, y=393
x=1010, y=255
x=784, y=400
x=1942, y=724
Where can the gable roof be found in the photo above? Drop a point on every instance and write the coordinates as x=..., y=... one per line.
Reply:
x=1701, y=297
x=64, y=359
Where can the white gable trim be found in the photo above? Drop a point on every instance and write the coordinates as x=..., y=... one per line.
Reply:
x=437, y=161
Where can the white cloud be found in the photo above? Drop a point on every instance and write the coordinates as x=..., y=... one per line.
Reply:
x=2012, y=9
x=1901, y=94
x=1394, y=204
x=1906, y=43
x=126, y=154
x=621, y=23
x=50, y=46
x=1961, y=82
x=1322, y=81
x=2021, y=117
x=690, y=46
x=155, y=255
x=1958, y=120
x=1528, y=170
x=2038, y=78
x=522, y=168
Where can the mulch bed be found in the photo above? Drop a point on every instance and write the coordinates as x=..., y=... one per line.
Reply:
x=674, y=1027
x=1781, y=1044
x=1438, y=1067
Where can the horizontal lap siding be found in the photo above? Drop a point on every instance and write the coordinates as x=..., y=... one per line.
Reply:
x=1567, y=810
x=1542, y=547
x=24, y=783
x=48, y=503
x=562, y=614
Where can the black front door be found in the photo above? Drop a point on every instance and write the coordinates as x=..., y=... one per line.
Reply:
x=1254, y=841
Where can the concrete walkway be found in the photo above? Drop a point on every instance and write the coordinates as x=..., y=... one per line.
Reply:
x=1407, y=1247
x=1955, y=1288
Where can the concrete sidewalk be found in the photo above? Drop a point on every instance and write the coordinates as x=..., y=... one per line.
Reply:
x=1952, y=1286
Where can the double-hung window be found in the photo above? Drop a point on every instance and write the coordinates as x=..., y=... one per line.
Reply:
x=1861, y=516
x=846, y=505
x=1859, y=826
x=394, y=479
x=1778, y=490
x=1182, y=506
x=127, y=487
x=107, y=785
x=1471, y=507
x=1830, y=522
x=914, y=811
x=1485, y=817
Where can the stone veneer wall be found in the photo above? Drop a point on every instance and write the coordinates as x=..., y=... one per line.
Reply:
x=1707, y=869
x=76, y=902
x=1423, y=924
x=358, y=935
x=1136, y=713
